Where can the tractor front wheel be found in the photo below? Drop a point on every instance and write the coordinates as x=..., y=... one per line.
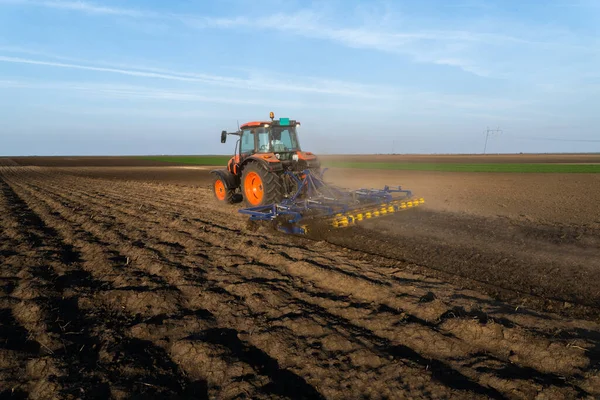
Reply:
x=222, y=193
x=260, y=186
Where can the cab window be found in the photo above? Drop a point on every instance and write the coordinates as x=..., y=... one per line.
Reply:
x=264, y=146
x=247, y=141
x=284, y=139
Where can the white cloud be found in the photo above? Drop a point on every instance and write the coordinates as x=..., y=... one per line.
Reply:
x=126, y=91
x=408, y=103
x=260, y=82
x=133, y=92
x=130, y=112
x=460, y=48
x=83, y=6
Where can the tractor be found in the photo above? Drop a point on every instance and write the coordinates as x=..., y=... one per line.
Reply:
x=264, y=152
x=281, y=184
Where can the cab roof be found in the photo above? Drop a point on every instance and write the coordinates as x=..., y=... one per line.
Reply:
x=254, y=123
x=275, y=122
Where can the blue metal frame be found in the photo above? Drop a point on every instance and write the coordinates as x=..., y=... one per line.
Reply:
x=315, y=198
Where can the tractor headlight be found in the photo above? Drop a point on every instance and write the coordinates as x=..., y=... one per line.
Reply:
x=295, y=157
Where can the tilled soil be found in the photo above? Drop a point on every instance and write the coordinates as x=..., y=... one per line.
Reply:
x=129, y=289
x=546, y=267
x=547, y=199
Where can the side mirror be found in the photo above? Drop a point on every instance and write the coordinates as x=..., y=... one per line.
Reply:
x=223, y=136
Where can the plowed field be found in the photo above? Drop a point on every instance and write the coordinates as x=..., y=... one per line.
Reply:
x=117, y=287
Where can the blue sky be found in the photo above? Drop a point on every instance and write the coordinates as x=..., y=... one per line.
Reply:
x=165, y=77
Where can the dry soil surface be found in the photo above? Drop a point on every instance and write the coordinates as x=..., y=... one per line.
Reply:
x=139, y=288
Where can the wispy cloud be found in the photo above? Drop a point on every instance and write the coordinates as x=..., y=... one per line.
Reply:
x=454, y=48
x=260, y=82
x=85, y=7
x=18, y=60
x=126, y=91
x=427, y=46
x=414, y=103
x=133, y=92
x=133, y=111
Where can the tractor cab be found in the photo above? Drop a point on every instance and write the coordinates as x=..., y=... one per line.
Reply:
x=275, y=141
x=270, y=137
x=266, y=153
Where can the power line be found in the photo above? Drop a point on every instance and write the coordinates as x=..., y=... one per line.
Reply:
x=489, y=132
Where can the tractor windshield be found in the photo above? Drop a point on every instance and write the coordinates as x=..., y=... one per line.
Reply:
x=277, y=139
x=283, y=138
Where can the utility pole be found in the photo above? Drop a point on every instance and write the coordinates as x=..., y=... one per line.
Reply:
x=489, y=132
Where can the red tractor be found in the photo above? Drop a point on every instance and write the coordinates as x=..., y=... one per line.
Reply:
x=264, y=152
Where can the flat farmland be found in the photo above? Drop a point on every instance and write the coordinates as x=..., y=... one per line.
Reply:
x=122, y=277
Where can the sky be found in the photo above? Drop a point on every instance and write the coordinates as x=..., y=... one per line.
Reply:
x=166, y=77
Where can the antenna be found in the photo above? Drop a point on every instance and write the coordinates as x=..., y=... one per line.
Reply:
x=238, y=124
x=489, y=132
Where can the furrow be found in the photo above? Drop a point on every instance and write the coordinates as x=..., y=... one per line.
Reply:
x=99, y=359
x=243, y=317
x=180, y=324
x=459, y=327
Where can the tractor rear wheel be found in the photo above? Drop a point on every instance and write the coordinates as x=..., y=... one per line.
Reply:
x=222, y=193
x=260, y=186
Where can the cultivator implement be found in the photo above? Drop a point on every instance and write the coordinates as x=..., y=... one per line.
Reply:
x=316, y=204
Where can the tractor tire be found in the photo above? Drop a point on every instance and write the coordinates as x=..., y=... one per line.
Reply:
x=222, y=193
x=260, y=186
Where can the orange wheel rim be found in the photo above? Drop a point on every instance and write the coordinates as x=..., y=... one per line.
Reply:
x=253, y=188
x=220, y=189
